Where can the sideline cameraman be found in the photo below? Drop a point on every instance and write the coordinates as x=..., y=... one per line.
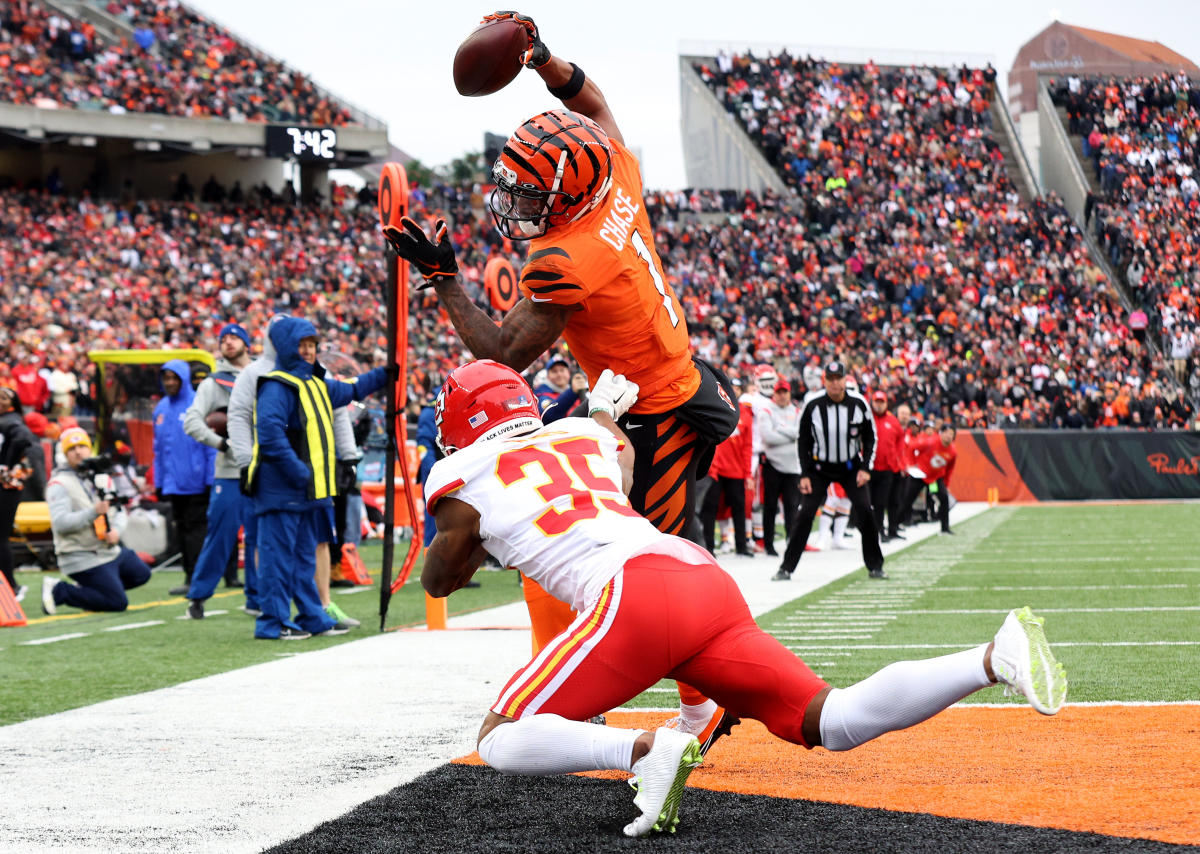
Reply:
x=88, y=550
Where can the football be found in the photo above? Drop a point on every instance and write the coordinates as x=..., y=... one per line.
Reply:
x=490, y=57
x=218, y=422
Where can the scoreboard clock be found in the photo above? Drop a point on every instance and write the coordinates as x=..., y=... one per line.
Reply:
x=304, y=143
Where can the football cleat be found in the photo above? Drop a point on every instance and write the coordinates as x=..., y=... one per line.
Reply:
x=339, y=616
x=1022, y=660
x=662, y=777
x=721, y=723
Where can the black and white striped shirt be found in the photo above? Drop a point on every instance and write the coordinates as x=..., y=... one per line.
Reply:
x=836, y=436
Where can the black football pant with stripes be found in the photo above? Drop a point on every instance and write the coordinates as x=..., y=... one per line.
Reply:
x=810, y=504
x=672, y=449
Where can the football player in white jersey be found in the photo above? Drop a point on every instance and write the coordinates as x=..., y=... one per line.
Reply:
x=550, y=500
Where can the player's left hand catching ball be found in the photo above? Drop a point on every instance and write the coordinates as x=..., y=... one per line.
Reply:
x=538, y=54
x=433, y=258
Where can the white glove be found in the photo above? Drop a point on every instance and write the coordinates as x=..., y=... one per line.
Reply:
x=612, y=394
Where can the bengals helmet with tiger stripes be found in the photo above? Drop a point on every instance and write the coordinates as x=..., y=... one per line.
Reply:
x=555, y=168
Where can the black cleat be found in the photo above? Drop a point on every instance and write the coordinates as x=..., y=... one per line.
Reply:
x=877, y=573
x=195, y=609
x=782, y=575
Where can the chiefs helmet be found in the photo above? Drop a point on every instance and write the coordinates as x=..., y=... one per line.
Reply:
x=482, y=400
x=765, y=376
x=555, y=168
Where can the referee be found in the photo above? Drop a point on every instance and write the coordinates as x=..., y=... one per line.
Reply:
x=837, y=445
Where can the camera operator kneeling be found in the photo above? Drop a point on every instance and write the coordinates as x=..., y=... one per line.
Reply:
x=88, y=550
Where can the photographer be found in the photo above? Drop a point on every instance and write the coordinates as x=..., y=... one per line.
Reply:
x=88, y=550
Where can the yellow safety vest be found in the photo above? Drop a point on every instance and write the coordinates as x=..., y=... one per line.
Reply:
x=316, y=416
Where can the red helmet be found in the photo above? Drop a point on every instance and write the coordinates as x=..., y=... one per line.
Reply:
x=482, y=400
x=555, y=168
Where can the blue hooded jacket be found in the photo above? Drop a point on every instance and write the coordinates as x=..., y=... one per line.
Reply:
x=282, y=478
x=182, y=466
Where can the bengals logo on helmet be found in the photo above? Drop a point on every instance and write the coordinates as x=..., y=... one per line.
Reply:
x=553, y=169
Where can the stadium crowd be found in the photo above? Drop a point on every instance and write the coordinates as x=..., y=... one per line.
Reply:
x=908, y=246
x=1142, y=138
x=175, y=63
x=900, y=248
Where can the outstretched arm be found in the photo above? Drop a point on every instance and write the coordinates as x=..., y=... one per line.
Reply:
x=558, y=74
x=528, y=329
x=590, y=101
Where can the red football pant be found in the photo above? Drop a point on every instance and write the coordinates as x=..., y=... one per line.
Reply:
x=663, y=618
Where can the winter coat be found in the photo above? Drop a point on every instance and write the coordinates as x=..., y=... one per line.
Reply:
x=282, y=479
x=182, y=466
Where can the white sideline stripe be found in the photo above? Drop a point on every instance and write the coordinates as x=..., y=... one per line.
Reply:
x=55, y=639
x=995, y=587
x=1132, y=609
x=1053, y=644
x=1016, y=705
x=128, y=626
x=353, y=590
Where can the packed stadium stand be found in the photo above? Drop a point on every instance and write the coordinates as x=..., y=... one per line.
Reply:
x=160, y=58
x=894, y=238
x=1139, y=139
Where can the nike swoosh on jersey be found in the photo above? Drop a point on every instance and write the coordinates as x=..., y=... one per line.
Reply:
x=537, y=298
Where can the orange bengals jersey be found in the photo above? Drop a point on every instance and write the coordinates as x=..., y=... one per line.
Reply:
x=628, y=318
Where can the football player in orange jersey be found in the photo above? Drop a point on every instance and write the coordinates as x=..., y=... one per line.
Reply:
x=566, y=182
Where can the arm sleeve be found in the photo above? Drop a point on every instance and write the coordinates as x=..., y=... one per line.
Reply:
x=343, y=435
x=341, y=393
x=275, y=401
x=240, y=413
x=868, y=440
x=63, y=518
x=193, y=420
x=158, y=460
x=804, y=441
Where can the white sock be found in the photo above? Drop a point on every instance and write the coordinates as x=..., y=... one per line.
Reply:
x=899, y=696
x=839, y=526
x=824, y=525
x=695, y=717
x=550, y=744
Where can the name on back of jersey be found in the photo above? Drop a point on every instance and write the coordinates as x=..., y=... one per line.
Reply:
x=618, y=222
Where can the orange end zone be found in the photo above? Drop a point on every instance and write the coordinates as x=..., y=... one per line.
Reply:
x=1117, y=770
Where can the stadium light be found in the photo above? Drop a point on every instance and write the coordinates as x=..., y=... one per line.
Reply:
x=85, y=141
x=201, y=145
x=36, y=133
x=147, y=145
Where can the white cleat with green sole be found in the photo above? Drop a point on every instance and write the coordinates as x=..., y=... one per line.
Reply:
x=1022, y=660
x=662, y=777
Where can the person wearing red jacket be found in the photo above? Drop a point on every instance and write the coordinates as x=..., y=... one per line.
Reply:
x=933, y=464
x=730, y=473
x=31, y=385
x=889, y=464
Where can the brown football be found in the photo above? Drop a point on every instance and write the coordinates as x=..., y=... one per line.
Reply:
x=490, y=57
x=218, y=422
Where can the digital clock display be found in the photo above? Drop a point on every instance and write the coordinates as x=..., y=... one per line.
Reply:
x=301, y=143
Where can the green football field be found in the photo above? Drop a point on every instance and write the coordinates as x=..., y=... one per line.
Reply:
x=1118, y=585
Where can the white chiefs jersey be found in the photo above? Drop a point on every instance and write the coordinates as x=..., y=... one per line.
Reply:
x=550, y=503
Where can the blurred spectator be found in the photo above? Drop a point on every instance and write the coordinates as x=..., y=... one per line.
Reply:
x=183, y=468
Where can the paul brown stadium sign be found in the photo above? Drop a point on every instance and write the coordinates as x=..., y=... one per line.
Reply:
x=1074, y=465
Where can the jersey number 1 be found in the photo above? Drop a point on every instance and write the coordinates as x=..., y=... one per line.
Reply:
x=643, y=251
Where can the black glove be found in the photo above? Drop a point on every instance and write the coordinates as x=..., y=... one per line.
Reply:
x=434, y=260
x=538, y=54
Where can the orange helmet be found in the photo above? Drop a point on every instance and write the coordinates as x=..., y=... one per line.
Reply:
x=555, y=168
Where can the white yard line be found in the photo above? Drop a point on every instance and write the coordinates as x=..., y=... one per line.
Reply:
x=55, y=639
x=128, y=626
